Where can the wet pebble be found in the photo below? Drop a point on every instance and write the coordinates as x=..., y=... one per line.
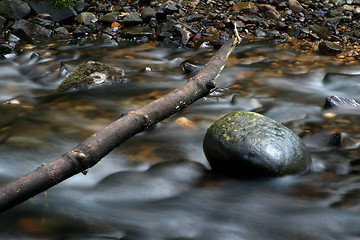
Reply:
x=321, y=32
x=329, y=47
x=147, y=14
x=132, y=19
x=295, y=6
x=110, y=17
x=61, y=30
x=85, y=18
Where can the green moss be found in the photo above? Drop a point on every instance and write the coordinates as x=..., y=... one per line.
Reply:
x=60, y=3
x=76, y=80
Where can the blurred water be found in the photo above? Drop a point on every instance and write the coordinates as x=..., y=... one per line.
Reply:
x=158, y=184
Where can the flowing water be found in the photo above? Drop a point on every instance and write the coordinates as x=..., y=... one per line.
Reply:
x=158, y=184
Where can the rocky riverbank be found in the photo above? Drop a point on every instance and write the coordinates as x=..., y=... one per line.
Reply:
x=326, y=27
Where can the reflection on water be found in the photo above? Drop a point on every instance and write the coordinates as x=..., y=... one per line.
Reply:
x=158, y=184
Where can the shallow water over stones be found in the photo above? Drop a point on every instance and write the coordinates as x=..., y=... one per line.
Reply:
x=158, y=184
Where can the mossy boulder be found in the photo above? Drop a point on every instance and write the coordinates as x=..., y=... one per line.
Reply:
x=59, y=3
x=92, y=74
x=250, y=144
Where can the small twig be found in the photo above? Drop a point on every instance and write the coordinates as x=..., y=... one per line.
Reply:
x=237, y=36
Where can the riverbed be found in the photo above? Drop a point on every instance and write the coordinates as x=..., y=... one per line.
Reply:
x=158, y=184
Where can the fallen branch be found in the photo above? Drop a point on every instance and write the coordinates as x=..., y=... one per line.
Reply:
x=90, y=151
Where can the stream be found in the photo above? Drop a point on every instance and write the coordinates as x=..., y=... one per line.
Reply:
x=158, y=184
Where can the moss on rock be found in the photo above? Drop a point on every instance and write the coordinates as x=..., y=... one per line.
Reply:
x=92, y=74
x=60, y=3
x=247, y=143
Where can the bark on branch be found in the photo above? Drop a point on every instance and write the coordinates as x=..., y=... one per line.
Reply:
x=90, y=151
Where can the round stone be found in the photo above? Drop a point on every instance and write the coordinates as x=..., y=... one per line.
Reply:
x=250, y=144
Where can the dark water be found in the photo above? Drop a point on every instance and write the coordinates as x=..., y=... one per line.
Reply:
x=157, y=185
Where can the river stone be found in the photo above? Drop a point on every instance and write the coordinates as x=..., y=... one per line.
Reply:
x=85, y=18
x=110, y=17
x=57, y=14
x=147, y=14
x=14, y=9
x=132, y=19
x=92, y=74
x=2, y=22
x=250, y=144
x=29, y=31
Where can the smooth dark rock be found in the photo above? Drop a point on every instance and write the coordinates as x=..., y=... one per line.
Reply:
x=329, y=47
x=107, y=39
x=147, y=14
x=272, y=14
x=110, y=17
x=169, y=43
x=5, y=49
x=190, y=68
x=165, y=9
x=30, y=32
x=320, y=31
x=14, y=9
x=295, y=6
x=167, y=29
x=92, y=74
x=252, y=18
x=260, y=33
x=250, y=144
x=58, y=14
x=80, y=5
x=61, y=30
x=132, y=19
x=194, y=17
x=331, y=22
x=44, y=21
x=85, y=30
x=2, y=22
x=85, y=18
x=136, y=31
x=341, y=102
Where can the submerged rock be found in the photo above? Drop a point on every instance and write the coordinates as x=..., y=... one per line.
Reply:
x=250, y=144
x=90, y=75
x=341, y=102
